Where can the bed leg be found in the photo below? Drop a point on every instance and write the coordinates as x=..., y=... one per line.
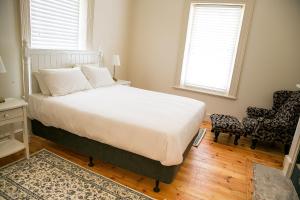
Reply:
x=91, y=164
x=156, y=188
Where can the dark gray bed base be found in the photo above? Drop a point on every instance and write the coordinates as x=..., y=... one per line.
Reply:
x=124, y=159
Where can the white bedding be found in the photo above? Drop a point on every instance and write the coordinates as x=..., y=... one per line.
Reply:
x=155, y=125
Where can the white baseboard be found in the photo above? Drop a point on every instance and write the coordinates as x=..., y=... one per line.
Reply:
x=287, y=166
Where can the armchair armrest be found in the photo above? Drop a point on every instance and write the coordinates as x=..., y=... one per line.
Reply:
x=254, y=112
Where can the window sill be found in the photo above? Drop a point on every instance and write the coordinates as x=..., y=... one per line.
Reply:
x=198, y=90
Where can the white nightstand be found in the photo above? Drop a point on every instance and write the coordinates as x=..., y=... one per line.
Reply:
x=11, y=112
x=123, y=82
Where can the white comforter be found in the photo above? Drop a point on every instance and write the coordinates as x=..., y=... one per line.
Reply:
x=155, y=125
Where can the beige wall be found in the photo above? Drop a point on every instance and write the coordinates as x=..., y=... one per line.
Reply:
x=272, y=59
x=10, y=83
x=111, y=28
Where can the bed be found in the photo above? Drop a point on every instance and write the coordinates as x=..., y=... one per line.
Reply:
x=147, y=132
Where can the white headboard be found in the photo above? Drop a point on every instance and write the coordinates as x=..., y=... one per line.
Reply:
x=35, y=59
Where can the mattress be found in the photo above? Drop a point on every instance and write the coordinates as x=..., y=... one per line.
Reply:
x=151, y=124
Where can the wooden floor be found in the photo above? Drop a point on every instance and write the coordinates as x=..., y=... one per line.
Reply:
x=211, y=171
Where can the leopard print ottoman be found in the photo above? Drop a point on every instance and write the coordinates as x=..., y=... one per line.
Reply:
x=226, y=124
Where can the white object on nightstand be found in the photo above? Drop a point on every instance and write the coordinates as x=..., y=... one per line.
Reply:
x=116, y=63
x=123, y=82
x=13, y=111
x=298, y=85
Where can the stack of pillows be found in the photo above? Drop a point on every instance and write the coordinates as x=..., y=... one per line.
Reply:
x=59, y=82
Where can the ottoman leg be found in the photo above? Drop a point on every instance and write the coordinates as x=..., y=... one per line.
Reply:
x=236, y=139
x=253, y=145
x=217, y=133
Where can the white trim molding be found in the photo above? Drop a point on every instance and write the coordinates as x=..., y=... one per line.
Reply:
x=86, y=23
x=199, y=90
x=25, y=35
x=291, y=159
x=241, y=49
x=25, y=21
x=90, y=24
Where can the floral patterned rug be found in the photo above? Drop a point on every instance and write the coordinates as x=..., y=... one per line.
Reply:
x=48, y=176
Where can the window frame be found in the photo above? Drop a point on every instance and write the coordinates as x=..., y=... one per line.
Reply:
x=240, y=51
x=81, y=29
x=86, y=24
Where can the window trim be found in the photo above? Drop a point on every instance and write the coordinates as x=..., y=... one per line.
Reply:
x=86, y=24
x=241, y=49
x=80, y=35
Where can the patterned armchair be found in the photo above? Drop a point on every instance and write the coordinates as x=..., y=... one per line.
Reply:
x=277, y=124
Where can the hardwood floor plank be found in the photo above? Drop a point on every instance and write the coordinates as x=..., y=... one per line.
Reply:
x=213, y=171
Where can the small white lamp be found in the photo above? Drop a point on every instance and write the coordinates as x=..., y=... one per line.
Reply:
x=2, y=71
x=116, y=63
x=298, y=85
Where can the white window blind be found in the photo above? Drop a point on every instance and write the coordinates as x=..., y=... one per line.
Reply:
x=55, y=24
x=211, y=46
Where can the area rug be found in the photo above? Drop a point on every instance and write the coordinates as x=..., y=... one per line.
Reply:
x=270, y=184
x=49, y=176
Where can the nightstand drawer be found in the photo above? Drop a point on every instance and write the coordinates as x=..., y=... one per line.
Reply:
x=10, y=114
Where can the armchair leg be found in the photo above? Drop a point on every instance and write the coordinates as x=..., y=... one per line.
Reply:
x=236, y=139
x=217, y=133
x=286, y=149
x=253, y=145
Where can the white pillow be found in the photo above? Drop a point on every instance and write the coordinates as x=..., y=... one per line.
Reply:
x=65, y=81
x=97, y=76
x=42, y=85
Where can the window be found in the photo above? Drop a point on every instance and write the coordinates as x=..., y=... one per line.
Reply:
x=57, y=24
x=213, y=53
